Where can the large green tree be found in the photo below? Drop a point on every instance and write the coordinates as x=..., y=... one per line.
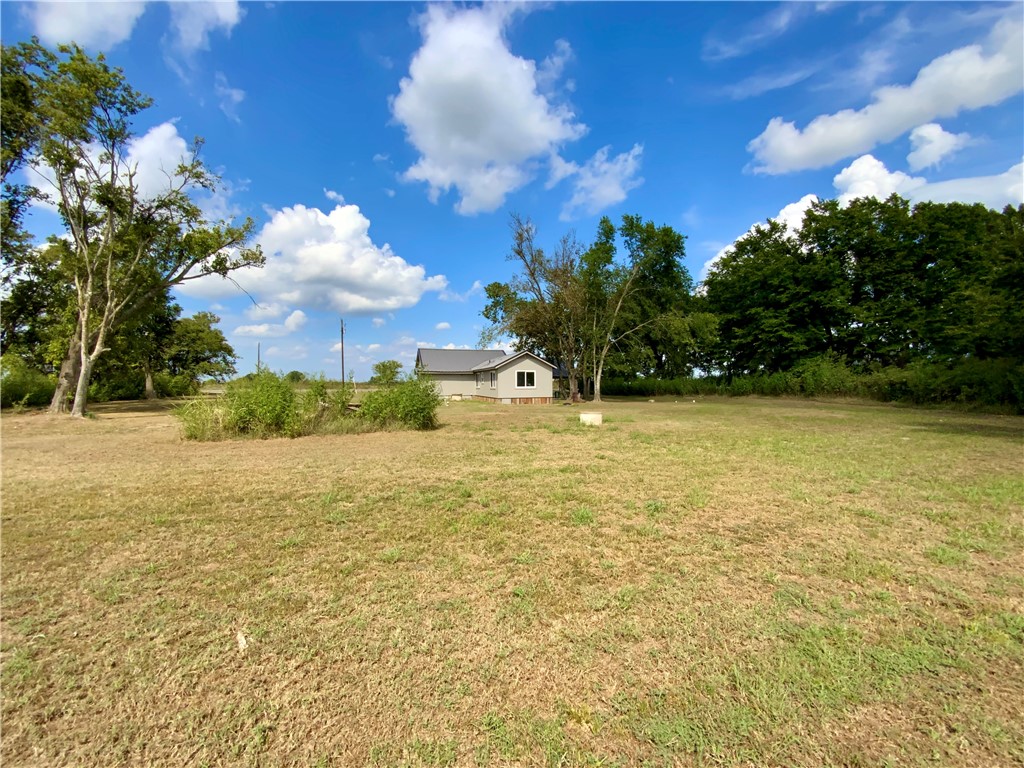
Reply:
x=580, y=306
x=127, y=247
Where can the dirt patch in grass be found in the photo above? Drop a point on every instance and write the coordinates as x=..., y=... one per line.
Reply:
x=727, y=581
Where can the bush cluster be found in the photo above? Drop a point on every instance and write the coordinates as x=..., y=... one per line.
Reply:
x=21, y=385
x=411, y=403
x=265, y=404
x=998, y=383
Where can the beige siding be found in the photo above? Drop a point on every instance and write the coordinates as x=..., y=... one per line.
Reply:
x=507, y=380
x=455, y=384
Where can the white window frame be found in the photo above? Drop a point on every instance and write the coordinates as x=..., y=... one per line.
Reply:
x=494, y=379
x=526, y=376
x=479, y=380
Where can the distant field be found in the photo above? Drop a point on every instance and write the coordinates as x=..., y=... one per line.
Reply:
x=727, y=582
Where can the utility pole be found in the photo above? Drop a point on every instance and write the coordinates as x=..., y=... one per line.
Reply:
x=343, y=379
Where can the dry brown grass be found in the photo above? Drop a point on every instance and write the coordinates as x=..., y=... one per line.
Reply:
x=726, y=582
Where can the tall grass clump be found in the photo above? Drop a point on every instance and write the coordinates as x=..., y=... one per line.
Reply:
x=261, y=406
x=22, y=385
x=411, y=403
x=265, y=404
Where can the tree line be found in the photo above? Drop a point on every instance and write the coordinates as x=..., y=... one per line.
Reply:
x=876, y=298
x=97, y=299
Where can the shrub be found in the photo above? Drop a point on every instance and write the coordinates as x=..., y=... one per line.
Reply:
x=825, y=375
x=266, y=405
x=124, y=385
x=168, y=385
x=23, y=386
x=204, y=419
x=411, y=403
x=261, y=406
x=295, y=377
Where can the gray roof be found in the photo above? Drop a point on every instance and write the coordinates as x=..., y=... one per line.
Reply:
x=455, y=360
x=501, y=360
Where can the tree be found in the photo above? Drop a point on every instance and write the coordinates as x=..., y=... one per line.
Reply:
x=386, y=372
x=19, y=139
x=126, y=248
x=198, y=351
x=542, y=306
x=578, y=306
x=646, y=294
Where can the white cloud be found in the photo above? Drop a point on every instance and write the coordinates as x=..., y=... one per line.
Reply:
x=550, y=70
x=603, y=182
x=155, y=155
x=968, y=78
x=268, y=311
x=291, y=352
x=327, y=261
x=791, y=215
x=868, y=177
x=389, y=192
x=443, y=326
x=292, y=323
x=930, y=145
x=474, y=290
x=192, y=22
x=756, y=34
x=229, y=97
x=475, y=111
x=379, y=322
x=372, y=347
x=755, y=85
x=99, y=25
x=330, y=194
x=381, y=157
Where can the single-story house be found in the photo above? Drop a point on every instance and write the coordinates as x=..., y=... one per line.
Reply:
x=488, y=374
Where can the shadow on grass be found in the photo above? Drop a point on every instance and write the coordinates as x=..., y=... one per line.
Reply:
x=141, y=407
x=1014, y=430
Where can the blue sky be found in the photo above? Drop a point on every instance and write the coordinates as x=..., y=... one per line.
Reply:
x=380, y=147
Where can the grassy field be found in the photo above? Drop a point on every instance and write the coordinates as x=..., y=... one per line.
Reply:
x=726, y=582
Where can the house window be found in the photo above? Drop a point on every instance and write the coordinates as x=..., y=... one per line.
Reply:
x=479, y=376
x=494, y=379
x=525, y=380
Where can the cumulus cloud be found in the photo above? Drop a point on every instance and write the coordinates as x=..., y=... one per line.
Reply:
x=868, y=177
x=475, y=111
x=327, y=261
x=193, y=22
x=105, y=24
x=155, y=155
x=791, y=215
x=292, y=323
x=229, y=97
x=603, y=182
x=442, y=326
x=968, y=78
x=930, y=145
x=92, y=25
x=336, y=197
x=474, y=290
